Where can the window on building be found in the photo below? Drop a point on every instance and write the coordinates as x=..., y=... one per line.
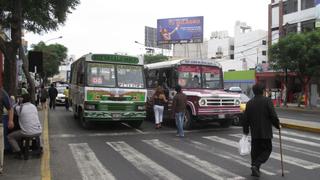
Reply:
x=307, y=26
x=264, y=53
x=232, y=56
x=232, y=47
x=306, y=4
x=290, y=28
x=290, y=6
x=264, y=42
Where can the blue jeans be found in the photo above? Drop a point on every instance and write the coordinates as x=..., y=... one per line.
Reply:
x=179, y=123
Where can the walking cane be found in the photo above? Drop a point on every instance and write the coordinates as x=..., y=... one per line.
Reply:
x=281, y=151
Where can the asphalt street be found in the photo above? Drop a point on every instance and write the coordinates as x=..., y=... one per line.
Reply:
x=118, y=151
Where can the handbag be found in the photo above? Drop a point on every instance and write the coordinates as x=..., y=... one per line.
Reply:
x=244, y=145
x=16, y=119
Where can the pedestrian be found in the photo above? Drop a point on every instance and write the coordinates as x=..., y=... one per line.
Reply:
x=6, y=114
x=53, y=93
x=29, y=124
x=258, y=117
x=43, y=97
x=24, y=88
x=159, y=100
x=66, y=94
x=179, y=109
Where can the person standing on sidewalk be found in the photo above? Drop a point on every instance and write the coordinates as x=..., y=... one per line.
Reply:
x=66, y=95
x=53, y=93
x=259, y=116
x=179, y=109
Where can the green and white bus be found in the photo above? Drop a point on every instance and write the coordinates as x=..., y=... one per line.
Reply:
x=108, y=87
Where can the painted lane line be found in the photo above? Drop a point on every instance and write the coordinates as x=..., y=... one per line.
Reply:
x=150, y=168
x=45, y=160
x=290, y=148
x=203, y=166
x=90, y=167
x=288, y=159
x=226, y=155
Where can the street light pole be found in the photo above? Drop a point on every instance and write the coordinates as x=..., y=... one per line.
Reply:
x=53, y=39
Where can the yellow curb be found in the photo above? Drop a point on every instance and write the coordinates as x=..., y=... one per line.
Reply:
x=299, y=127
x=45, y=161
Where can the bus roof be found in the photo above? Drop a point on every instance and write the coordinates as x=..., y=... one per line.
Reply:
x=112, y=58
x=164, y=64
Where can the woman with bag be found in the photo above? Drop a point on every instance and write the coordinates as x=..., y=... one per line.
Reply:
x=43, y=97
x=159, y=100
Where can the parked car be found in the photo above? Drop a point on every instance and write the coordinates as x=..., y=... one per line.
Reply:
x=235, y=89
x=237, y=121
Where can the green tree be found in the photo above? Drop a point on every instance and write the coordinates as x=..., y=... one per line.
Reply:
x=53, y=56
x=31, y=15
x=297, y=53
x=148, y=58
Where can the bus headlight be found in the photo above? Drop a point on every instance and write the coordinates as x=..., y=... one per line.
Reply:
x=202, y=102
x=90, y=107
x=237, y=102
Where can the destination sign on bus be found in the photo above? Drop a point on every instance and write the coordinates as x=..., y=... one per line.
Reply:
x=115, y=58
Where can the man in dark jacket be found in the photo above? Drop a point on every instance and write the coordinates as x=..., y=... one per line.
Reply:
x=53, y=93
x=259, y=116
x=179, y=108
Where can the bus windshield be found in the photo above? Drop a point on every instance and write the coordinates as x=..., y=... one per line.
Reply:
x=130, y=76
x=193, y=76
x=101, y=75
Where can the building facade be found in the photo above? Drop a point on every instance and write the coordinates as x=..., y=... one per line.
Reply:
x=220, y=46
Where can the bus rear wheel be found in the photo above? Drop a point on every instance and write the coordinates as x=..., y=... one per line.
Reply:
x=135, y=124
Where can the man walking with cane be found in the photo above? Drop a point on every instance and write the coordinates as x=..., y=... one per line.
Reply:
x=259, y=116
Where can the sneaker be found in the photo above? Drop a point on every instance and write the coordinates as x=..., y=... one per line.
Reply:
x=255, y=171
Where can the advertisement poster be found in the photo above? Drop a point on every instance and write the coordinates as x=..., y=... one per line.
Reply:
x=180, y=30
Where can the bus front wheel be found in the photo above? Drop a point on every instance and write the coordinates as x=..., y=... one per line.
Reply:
x=187, y=120
x=84, y=123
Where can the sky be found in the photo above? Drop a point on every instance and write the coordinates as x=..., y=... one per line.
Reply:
x=100, y=26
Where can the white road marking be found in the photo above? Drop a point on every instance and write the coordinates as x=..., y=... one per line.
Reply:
x=309, y=136
x=288, y=159
x=90, y=167
x=300, y=141
x=290, y=148
x=226, y=155
x=151, y=169
x=203, y=166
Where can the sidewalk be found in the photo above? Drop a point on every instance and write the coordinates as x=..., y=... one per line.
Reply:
x=299, y=124
x=16, y=169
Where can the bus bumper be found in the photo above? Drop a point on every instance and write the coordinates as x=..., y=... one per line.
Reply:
x=114, y=115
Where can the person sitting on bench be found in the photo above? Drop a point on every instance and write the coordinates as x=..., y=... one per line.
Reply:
x=29, y=124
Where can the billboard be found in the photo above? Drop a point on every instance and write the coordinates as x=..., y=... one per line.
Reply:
x=180, y=30
x=317, y=4
x=150, y=39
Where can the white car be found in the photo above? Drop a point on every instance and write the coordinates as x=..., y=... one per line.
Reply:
x=60, y=99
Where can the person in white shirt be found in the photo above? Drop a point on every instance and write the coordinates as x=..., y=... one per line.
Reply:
x=29, y=124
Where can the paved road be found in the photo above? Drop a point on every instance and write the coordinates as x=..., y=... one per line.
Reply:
x=121, y=152
x=299, y=115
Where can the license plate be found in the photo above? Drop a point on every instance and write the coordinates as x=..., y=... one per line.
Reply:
x=221, y=116
x=116, y=116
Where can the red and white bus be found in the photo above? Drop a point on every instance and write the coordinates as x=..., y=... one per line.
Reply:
x=202, y=82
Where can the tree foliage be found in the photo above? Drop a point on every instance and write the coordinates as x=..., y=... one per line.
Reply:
x=53, y=56
x=299, y=53
x=148, y=58
x=31, y=15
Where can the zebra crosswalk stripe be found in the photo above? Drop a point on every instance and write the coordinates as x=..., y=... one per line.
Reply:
x=226, y=155
x=290, y=148
x=203, y=166
x=300, y=135
x=287, y=159
x=90, y=167
x=142, y=162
